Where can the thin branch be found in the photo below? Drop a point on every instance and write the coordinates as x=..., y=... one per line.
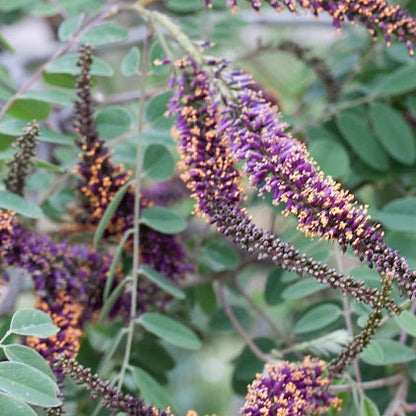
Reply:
x=396, y=405
x=368, y=385
x=240, y=330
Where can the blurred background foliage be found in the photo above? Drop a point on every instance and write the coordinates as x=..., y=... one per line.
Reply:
x=350, y=99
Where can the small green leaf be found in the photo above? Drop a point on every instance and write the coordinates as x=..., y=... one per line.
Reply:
x=21, y=206
x=69, y=26
x=22, y=354
x=112, y=298
x=130, y=63
x=217, y=256
x=274, y=287
x=54, y=97
x=157, y=107
x=50, y=136
x=394, y=133
x=13, y=407
x=398, y=215
x=301, y=289
x=42, y=164
x=407, y=322
x=398, y=82
x=33, y=323
x=28, y=384
x=169, y=330
x=163, y=220
x=105, y=34
x=163, y=282
x=158, y=54
x=67, y=64
x=109, y=212
x=220, y=322
x=113, y=122
x=183, y=6
x=12, y=127
x=158, y=162
x=318, y=318
x=393, y=352
x=28, y=109
x=331, y=156
x=6, y=45
x=369, y=408
x=151, y=390
x=356, y=132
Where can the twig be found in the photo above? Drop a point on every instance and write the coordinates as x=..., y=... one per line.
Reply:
x=404, y=335
x=243, y=334
x=125, y=97
x=61, y=51
x=395, y=406
x=368, y=385
x=347, y=310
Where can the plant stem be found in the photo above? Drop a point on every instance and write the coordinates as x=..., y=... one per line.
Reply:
x=368, y=385
x=136, y=225
x=230, y=314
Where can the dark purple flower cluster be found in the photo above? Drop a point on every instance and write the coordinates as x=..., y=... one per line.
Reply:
x=290, y=390
x=209, y=172
x=277, y=163
x=375, y=15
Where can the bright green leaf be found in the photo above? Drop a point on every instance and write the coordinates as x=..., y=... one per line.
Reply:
x=162, y=281
x=151, y=390
x=369, y=408
x=398, y=82
x=394, y=133
x=105, y=34
x=67, y=64
x=163, y=220
x=169, y=330
x=69, y=26
x=158, y=162
x=393, y=352
x=28, y=384
x=22, y=354
x=16, y=203
x=318, y=318
x=32, y=322
x=113, y=122
x=54, y=97
x=407, y=322
x=356, y=132
x=130, y=63
x=28, y=109
x=157, y=107
x=217, y=256
x=13, y=407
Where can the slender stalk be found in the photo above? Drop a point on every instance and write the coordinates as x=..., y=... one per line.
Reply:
x=240, y=330
x=368, y=385
x=136, y=225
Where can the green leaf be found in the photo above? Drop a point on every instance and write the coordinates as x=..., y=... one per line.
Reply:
x=33, y=323
x=69, y=26
x=217, y=256
x=54, y=97
x=169, y=330
x=28, y=384
x=369, y=408
x=130, y=63
x=356, y=132
x=157, y=107
x=163, y=220
x=112, y=298
x=6, y=45
x=105, y=34
x=151, y=390
x=67, y=64
x=398, y=82
x=50, y=136
x=157, y=54
x=109, y=212
x=163, y=282
x=22, y=354
x=274, y=287
x=206, y=298
x=331, y=156
x=11, y=5
x=301, y=289
x=113, y=122
x=158, y=162
x=318, y=318
x=220, y=322
x=393, y=353
x=374, y=352
x=42, y=164
x=398, y=215
x=13, y=407
x=394, y=133
x=407, y=321
x=28, y=109
x=21, y=206
x=12, y=127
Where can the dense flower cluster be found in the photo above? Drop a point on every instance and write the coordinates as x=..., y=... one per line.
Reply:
x=290, y=390
x=375, y=15
x=280, y=164
x=209, y=172
x=20, y=165
x=100, y=180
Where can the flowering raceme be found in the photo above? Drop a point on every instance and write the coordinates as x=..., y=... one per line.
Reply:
x=374, y=14
x=277, y=163
x=288, y=389
x=209, y=172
